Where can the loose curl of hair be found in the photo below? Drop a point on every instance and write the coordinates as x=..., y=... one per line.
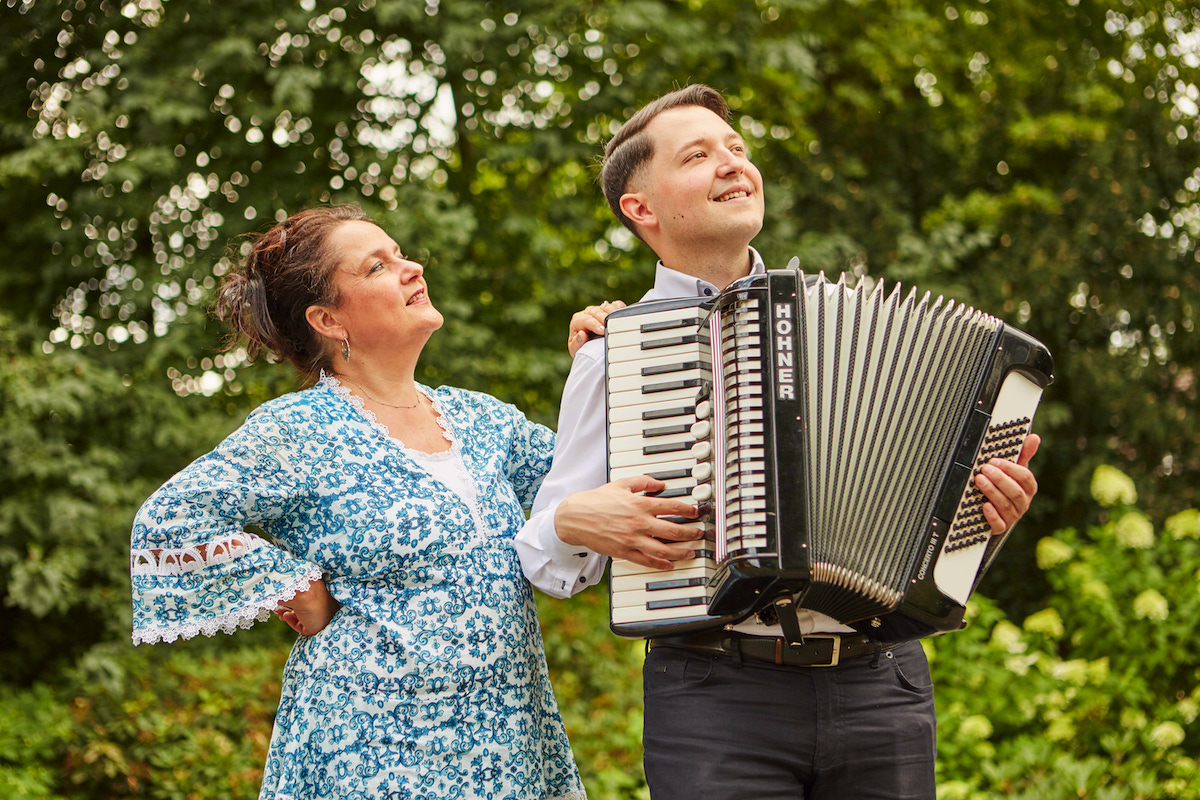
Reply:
x=631, y=149
x=290, y=267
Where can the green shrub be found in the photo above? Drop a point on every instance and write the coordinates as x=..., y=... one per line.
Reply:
x=188, y=721
x=1096, y=694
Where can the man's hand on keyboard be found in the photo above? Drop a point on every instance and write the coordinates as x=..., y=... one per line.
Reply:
x=619, y=520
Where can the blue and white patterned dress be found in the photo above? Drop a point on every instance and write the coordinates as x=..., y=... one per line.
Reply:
x=431, y=680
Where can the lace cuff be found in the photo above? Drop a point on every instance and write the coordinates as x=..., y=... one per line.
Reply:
x=227, y=584
x=179, y=560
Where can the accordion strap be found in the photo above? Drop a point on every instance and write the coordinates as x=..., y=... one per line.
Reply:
x=785, y=610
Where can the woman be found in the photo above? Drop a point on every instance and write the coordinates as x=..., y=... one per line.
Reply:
x=388, y=510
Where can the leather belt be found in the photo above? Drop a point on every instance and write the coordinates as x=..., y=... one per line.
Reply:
x=817, y=650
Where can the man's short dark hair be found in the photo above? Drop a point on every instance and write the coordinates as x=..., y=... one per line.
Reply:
x=631, y=149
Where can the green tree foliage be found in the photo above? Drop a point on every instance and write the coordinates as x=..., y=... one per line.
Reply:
x=82, y=442
x=1036, y=160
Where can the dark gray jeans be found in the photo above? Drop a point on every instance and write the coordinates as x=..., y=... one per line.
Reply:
x=719, y=730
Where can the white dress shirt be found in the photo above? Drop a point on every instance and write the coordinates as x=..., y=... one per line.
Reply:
x=580, y=464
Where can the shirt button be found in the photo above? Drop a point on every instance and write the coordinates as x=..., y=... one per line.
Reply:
x=582, y=580
x=708, y=292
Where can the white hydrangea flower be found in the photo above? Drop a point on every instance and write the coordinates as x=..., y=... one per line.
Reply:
x=976, y=727
x=1151, y=605
x=1189, y=709
x=1051, y=552
x=1007, y=637
x=1047, y=622
x=1166, y=735
x=1135, y=530
x=1184, y=525
x=1074, y=671
x=1110, y=486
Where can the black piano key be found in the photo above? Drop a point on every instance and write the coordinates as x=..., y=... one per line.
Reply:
x=673, y=341
x=669, y=474
x=667, y=447
x=668, y=324
x=678, y=583
x=679, y=602
x=689, y=383
x=663, y=369
x=666, y=430
x=663, y=413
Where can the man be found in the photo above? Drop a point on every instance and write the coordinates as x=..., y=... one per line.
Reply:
x=742, y=714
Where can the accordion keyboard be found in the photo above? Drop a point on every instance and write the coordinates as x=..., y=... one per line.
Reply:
x=657, y=363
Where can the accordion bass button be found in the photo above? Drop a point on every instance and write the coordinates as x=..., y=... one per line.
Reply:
x=703, y=409
x=702, y=429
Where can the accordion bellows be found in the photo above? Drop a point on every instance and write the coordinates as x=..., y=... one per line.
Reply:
x=832, y=434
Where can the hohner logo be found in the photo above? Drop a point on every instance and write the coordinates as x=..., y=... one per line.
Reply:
x=785, y=371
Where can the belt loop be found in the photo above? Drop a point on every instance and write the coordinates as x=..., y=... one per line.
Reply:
x=778, y=652
x=875, y=657
x=735, y=649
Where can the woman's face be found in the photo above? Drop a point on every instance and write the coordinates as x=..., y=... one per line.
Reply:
x=383, y=300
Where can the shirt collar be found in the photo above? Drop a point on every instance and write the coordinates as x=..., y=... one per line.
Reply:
x=669, y=283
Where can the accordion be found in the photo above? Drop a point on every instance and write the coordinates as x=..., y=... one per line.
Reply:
x=831, y=436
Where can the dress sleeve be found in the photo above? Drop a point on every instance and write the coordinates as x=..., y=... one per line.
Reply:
x=194, y=567
x=529, y=459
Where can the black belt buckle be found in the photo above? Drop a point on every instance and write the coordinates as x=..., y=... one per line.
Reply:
x=835, y=645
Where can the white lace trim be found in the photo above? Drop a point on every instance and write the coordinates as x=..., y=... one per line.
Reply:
x=228, y=623
x=181, y=560
x=455, y=451
x=341, y=391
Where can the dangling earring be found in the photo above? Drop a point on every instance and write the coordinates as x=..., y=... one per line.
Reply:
x=345, y=349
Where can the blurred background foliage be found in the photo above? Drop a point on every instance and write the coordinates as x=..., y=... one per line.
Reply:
x=1036, y=160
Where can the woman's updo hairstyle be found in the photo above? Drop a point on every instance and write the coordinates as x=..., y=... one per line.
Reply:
x=288, y=268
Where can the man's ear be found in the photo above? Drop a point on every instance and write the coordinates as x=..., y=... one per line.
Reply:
x=324, y=322
x=635, y=207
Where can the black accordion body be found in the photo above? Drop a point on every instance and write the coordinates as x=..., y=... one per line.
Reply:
x=832, y=434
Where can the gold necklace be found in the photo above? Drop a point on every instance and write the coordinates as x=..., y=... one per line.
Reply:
x=380, y=402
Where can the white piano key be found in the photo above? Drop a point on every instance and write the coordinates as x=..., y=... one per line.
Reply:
x=641, y=598
x=658, y=341
x=686, y=395
x=646, y=384
x=648, y=463
x=635, y=366
x=634, y=322
x=622, y=567
x=635, y=352
x=634, y=470
x=647, y=428
x=651, y=411
x=633, y=615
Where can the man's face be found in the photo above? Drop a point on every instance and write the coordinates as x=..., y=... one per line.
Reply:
x=700, y=184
